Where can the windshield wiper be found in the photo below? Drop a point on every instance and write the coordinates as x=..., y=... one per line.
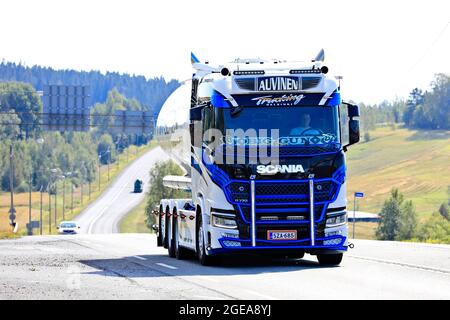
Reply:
x=236, y=111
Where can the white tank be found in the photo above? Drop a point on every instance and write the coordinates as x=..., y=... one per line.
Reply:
x=172, y=126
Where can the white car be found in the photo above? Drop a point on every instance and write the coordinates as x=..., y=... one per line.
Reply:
x=68, y=227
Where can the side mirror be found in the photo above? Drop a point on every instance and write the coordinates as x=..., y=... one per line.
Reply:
x=353, y=128
x=353, y=124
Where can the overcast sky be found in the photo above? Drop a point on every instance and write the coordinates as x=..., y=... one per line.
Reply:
x=383, y=49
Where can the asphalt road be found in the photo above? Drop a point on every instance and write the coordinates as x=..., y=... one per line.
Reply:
x=104, y=214
x=130, y=266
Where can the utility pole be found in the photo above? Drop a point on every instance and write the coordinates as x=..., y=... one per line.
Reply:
x=49, y=210
x=89, y=185
x=56, y=208
x=99, y=176
x=81, y=191
x=356, y=195
x=109, y=160
x=71, y=200
x=12, y=210
x=64, y=198
x=40, y=213
x=30, y=229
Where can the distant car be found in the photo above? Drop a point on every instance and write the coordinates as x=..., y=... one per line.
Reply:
x=68, y=227
x=138, y=186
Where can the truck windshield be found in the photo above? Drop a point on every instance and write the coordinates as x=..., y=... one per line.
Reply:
x=297, y=126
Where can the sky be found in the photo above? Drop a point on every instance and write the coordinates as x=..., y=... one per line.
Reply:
x=382, y=49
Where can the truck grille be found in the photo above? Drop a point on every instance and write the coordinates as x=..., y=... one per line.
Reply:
x=279, y=193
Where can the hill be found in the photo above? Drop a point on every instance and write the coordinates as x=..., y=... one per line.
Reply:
x=415, y=162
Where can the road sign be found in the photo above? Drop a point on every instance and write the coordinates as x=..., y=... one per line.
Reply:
x=66, y=108
x=34, y=224
x=359, y=194
x=133, y=122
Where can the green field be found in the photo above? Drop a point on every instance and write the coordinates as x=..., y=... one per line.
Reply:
x=415, y=162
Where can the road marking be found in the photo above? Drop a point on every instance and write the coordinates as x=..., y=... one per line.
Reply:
x=400, y=264
x=166, y=266
x=260, y=295
x=140, y=258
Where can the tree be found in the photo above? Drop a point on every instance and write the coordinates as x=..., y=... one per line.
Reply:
x=398, y=218
x=390, y=216
x=407, y=222
x=22, y=99
x=106, y=149
x=157, y=191
x=415, y=99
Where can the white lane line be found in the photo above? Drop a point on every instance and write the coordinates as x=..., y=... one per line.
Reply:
x=166, y=266
x=402, y=264
x=260, y=295
x=140, y=258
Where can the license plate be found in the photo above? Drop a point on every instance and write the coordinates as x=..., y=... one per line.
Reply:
x=282, y=235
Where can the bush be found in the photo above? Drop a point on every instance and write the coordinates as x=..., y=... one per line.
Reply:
x=23, y=187
x=436, y=230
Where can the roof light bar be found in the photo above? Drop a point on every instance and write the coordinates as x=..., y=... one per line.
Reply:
x=305, y=71
x=248, y=72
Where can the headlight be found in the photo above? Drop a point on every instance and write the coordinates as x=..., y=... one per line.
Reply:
x=223, y=222
x=336, y=220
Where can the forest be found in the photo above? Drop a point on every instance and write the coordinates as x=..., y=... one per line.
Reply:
x=151, y=93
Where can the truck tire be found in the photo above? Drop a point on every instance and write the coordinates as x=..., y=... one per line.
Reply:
x=204, y=259
x=330, y=259
x=166, y=230
x=159, y=240
x=171, y=239
x=180, y=252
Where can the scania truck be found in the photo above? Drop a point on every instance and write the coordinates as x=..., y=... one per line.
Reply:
x=262, y=143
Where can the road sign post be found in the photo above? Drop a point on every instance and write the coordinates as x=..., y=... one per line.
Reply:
x=356, y=195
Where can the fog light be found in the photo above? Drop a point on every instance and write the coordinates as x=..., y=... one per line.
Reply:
x=229, y=243
x=333, y=242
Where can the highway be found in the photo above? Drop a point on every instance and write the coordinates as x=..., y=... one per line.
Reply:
x=130, y=266
x=105, y=213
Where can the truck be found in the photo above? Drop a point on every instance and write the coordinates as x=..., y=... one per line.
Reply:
x=262, y=144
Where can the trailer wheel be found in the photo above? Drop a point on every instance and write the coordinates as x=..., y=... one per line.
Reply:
x=171, y=238
x=180, y=252
x=204, y=259
x=330, y=259
x=166, y=229
x=159, y=238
